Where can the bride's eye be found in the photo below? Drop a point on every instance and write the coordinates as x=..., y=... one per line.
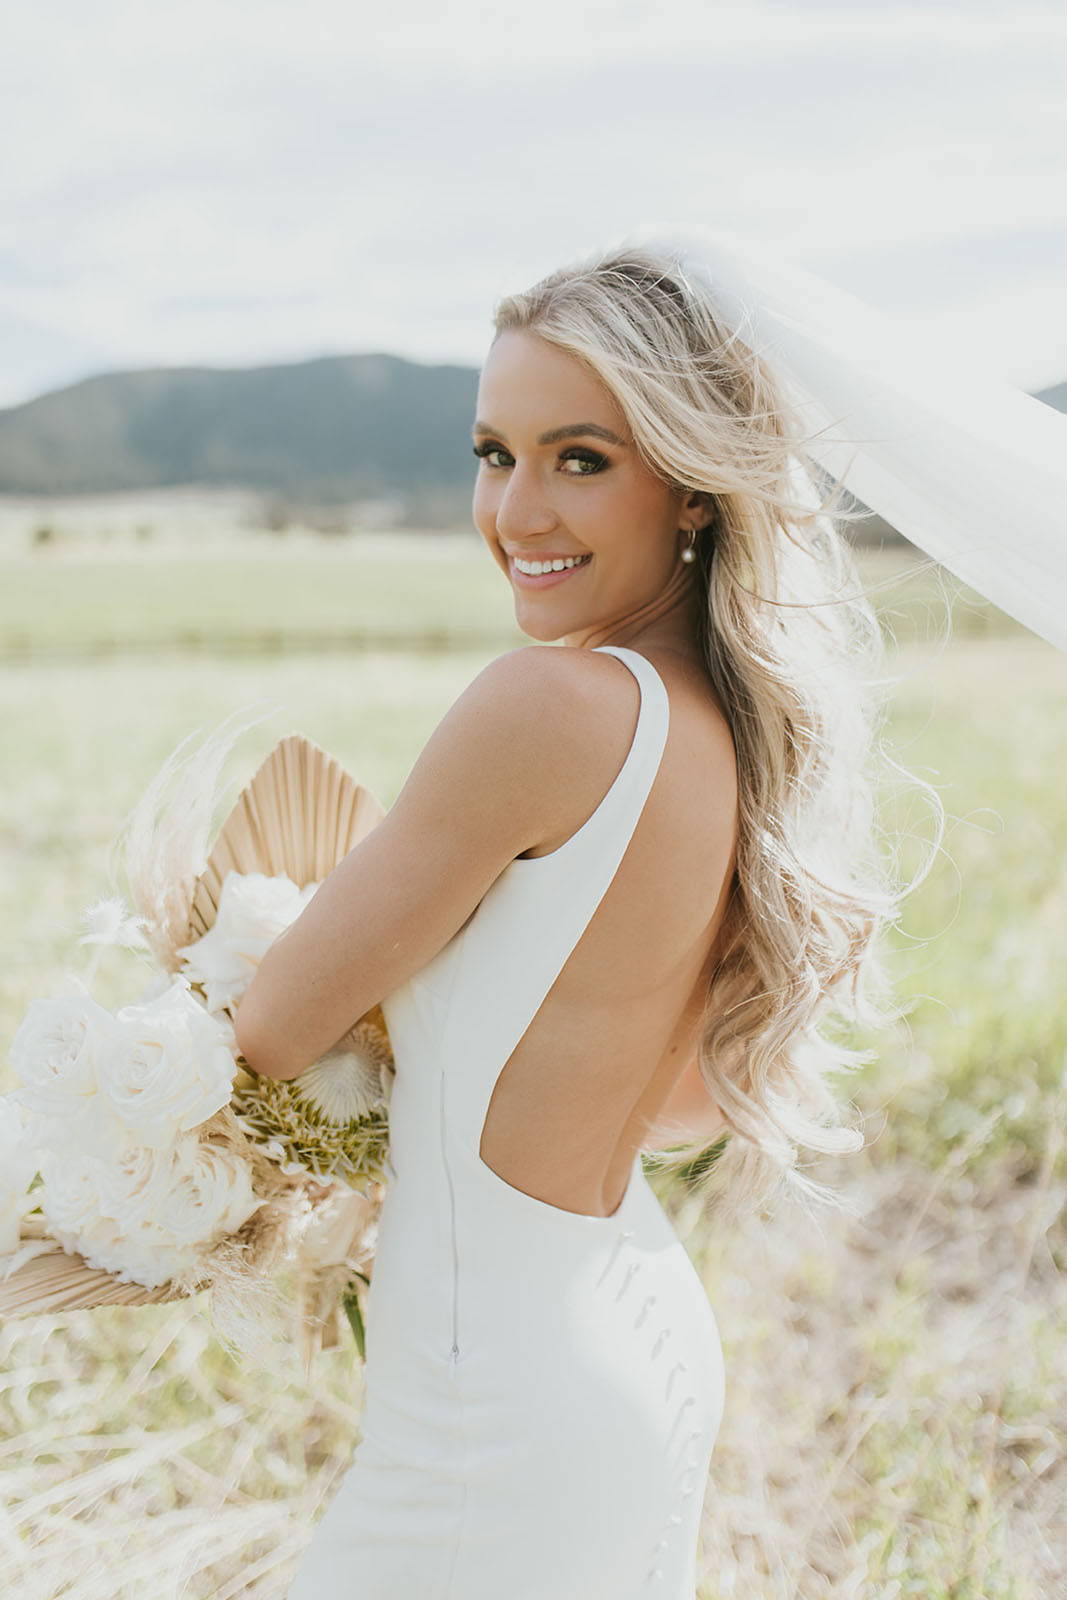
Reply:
x=487, y=449
x=592, y=458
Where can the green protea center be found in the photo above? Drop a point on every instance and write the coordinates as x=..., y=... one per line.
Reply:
x=333, y=1119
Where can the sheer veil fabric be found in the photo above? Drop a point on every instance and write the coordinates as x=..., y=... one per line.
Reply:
x=968, y=468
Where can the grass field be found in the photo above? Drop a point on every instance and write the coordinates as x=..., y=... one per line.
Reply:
x=896, y=1392
x=260, y=594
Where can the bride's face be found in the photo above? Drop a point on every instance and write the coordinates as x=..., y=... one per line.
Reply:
x=559, y=476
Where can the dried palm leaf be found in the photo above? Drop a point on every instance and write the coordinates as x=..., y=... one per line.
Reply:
x=299, y=815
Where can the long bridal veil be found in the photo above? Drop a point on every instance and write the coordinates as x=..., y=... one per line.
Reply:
x=970, y=469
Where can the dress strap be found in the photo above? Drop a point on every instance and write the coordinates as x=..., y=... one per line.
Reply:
x=534, y=914
x=610, y=828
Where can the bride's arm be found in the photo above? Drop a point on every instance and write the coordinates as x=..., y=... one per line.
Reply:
x=688, y=1114
x=497, y=777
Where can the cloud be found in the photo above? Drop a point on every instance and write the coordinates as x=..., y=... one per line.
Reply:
x=238, y=183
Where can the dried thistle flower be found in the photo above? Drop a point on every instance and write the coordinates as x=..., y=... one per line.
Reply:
x=332, y=1121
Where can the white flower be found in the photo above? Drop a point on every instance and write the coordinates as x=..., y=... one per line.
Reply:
x=347, y=1082
x=169, y=1067
x=18, y=1164
x=131, y=1188
x=193, y=1192
x=139, y=1252
x=57, y=1053
x=147, y=1216
x=253, y=911
x=154, y=988
x=207, y=1193
x=144, y=1254
x=227, y=1032
x=70, y=1196
x=109, y=922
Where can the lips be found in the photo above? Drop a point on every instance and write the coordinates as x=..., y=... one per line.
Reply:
x=547, y=555
x=545, y=580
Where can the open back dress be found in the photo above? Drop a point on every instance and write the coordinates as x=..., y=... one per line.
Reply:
x=543, y=1387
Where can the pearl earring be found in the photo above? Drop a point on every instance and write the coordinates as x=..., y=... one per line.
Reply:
x=689, y=553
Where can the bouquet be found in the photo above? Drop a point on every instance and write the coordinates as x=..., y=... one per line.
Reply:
x=140, y=1159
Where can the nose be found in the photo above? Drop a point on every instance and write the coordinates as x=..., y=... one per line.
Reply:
x=522, y=510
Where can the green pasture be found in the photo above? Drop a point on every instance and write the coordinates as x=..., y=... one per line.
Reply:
x=896, y=1394
x=414, y=591
x=409, y=592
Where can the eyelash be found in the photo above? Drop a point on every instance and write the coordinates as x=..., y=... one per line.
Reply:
x=575, y=453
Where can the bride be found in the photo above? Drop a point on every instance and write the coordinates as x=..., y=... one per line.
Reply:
x=626, y=886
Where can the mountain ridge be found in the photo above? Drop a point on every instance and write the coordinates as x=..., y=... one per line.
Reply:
x=331, y=429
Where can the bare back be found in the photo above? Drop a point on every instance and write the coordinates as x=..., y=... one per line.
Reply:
x=572, y=1105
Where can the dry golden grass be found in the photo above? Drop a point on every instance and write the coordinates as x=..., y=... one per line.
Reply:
x=896, y=1396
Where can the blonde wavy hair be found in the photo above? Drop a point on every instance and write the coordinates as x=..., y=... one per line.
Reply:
x=796, y=655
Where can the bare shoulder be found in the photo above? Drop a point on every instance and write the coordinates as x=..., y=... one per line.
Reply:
x=530, y=747
x=544, y=667
x=503, y=762
x=577, y=690
x=566, y=717
x=575, y=710
x=543, y=694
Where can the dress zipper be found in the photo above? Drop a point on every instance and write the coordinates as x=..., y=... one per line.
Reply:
x=452, y=1208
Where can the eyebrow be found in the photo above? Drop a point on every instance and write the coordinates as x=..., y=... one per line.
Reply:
x=573, y=431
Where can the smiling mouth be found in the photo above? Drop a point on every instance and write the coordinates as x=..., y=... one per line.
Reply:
x=545, y=580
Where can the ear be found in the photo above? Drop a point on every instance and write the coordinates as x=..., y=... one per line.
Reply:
x=699, y=509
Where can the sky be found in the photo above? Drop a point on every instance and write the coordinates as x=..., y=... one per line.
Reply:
x=241, y=182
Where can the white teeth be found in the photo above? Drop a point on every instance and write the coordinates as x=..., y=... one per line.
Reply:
x=534, y=569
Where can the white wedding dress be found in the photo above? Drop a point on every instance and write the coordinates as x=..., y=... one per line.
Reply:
x=543, y=1388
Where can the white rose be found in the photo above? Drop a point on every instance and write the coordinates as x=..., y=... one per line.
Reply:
x=144, y=1253
x=253, y=911
x=70, y=1197
x=131, y=1187
x=18, y=1165
x=147, y=1216
x=209, y=1194
x=72, y=1202
x=170, y=1066
x=193, y=1192
x=57, y=1053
